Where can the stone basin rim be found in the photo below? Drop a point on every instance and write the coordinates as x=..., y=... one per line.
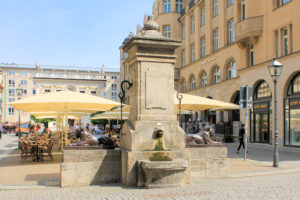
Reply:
x=176, y=164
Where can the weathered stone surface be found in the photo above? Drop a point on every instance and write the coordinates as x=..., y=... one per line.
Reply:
x=151, y=67
x=160, y=174
x=210, y=162
x=90, y=167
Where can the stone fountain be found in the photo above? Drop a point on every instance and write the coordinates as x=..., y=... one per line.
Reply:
x=152, y=142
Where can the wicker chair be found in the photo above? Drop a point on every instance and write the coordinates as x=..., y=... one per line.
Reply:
x=25, y=150
x=47, y=149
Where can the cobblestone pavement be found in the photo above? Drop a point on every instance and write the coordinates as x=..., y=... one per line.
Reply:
x=282, y=186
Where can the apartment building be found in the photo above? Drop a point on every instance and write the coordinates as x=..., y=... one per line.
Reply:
x=41, y=79
x=230, y=43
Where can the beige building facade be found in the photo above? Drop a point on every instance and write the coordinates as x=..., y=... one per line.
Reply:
x=41, y=79
x=227, y=44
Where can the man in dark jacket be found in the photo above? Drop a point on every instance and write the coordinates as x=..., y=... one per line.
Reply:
x=241, y=138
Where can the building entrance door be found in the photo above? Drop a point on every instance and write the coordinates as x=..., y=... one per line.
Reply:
x=262, y=132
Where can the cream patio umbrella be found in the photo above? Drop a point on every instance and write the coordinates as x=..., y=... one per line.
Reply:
x=198, y=103
x=54, y=117
x=64, y=101
x=111, y=115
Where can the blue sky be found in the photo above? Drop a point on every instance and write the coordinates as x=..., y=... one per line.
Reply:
x=84, y=33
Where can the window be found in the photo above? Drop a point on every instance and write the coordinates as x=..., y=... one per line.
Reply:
x=11, y=111
x=114, y=95
x=282, y=2
x=11, y=73
x=243, y=10
x=203, y=18
x=216, y=75
x=167, y=31
x=178, y=5
x=82, y=91
x=104, y=94
x=192, y=52
x=285, y=41
x=81, y=76
x=167, y=6
x=183, y=57
x=11, y=83
x=203, y=79
x=229, y=2
x=215, y=8
x=183, y=86
x=24, y=91
x=47, y=91
x=262, y=91
x=114, y=86
x=93, y=92
x=114, y=77
x=183, y=31
x=231, y=70
x=251, y=55
x=203, y=47
x=230, y=28
x=215, y=39
x=33, y=92
x=192, y=24
x=294, y=87
x=69, y=75
x=24, y=73
x=193, y=83
x=58, y=90
x=11, y=100
x=11, y=92
x=23, y=82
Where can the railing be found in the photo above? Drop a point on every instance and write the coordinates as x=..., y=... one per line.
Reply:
x=69, y=76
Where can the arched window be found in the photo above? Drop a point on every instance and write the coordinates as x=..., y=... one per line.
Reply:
x=193, y=83
x=203, y=79
x=183, y=86
x=292, y=113
x=294, y=86
x=231, y=70
x=216, y=75
x=262, y=91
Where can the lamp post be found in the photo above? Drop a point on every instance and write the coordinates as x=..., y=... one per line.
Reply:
x=19, y=91
x=275, y=69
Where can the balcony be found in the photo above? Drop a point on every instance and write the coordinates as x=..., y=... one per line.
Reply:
x=249, y=30
x=48, y=75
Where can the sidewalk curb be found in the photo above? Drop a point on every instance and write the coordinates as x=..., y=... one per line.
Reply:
x=26, y=187
x=264, y=173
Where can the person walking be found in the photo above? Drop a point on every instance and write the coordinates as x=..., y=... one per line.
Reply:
x=1, y=129
x=241, y=138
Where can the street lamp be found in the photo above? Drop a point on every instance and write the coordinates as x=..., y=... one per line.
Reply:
x=275, y=69
x=19, y=91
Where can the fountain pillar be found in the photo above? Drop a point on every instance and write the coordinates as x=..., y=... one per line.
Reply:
x=151, y=59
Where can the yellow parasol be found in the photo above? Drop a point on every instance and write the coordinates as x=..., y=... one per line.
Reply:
x=111, y=115
x=196, y=103
x=64, y=101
